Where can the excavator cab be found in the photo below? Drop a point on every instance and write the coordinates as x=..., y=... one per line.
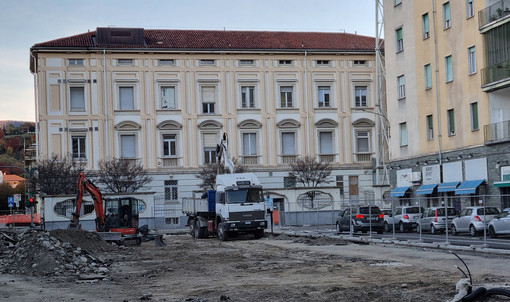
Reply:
x=121, y=213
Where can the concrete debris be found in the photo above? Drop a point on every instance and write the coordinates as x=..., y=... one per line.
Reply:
x=56, y=253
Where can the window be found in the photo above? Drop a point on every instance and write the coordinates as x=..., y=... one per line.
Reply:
x=169, y=145
x=207, y=62
x=289, y=182
x=428, y=76
x=448, y=72
x=425, y=26
x=75, y=62
x=168, y=97
x=126, y=98
x=246, y=62
x=471, y=60
x=430, y=127
x=286, y=96
x=127, y=146
x=403, y=134
x=325, y=143
x=166, y=62
x=340, y=184
x=125, y=61
x=360, y=62
x=446, y=15
x=362, y=142
x=171, y=190
x=353, y=185
x=285, y=62
x=78, y=142
x=324, y=96
x=474, y=116
x=208, y=99
x=401, y=83
x=210, y=141
x=323, y=62
x=288, y=143
x=451, y=122
x=470, y=10
x=249, y=144
x=247, y=97
x=360, y=93
x=400, y=40
x=77, y=98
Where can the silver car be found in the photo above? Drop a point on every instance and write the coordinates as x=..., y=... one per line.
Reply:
x=471, y=220
x=404, y=218
x=500, y=225
x=434, y=219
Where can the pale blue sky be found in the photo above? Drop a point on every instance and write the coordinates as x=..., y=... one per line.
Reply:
x=26, y=22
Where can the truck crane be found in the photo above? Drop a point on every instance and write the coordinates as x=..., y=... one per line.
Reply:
x=120, y=224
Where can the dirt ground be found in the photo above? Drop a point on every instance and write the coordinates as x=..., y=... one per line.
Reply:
x=275, y=268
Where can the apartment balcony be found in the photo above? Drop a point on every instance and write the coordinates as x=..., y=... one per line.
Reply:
x=250, y=160
x=496, y=76
x=288, y=159
x=327, y=158
x=497, y=132
x=493, y=14
x=168, y=161
x=363, y=157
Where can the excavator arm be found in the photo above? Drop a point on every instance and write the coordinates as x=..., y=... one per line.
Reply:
x=83, y=185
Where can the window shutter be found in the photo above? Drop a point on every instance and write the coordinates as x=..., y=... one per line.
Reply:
x=326, y=144
x=127, y=145
x=210, y=140
x=288, y=143
x=77, y=98
x=208, y=94
x=126, y=98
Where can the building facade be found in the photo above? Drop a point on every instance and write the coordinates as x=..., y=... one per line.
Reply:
x=437, y=55
x=165, y=97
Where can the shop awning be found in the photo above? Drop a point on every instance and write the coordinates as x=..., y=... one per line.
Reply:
x=468, y=186
x=499, y=184
x=399, y=191
x=447, y=186
x=426, y=189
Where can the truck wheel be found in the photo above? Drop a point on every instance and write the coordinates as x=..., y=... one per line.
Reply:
x=222, y=232
x=196, y=230
x=192, y=228
x=258, y=234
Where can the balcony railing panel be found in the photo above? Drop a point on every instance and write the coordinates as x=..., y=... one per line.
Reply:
x=497, y=132
x=327, y=158
x=169, y=161
x=496, y=73
x=250, y=159
x=494, y=12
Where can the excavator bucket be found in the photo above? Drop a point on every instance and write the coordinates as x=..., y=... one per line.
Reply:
x=74, y=225
x=158, y=240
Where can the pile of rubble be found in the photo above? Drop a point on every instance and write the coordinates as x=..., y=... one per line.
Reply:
x=55, y=253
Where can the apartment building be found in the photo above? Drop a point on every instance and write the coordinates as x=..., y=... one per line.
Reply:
x=165, y=98
x=445, y=103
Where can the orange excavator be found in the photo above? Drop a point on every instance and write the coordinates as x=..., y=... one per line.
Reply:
x=119, y=224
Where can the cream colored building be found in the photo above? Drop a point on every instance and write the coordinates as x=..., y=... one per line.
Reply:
x=165, y=98
x=438, y=111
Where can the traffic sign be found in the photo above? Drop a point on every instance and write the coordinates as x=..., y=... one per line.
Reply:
x=10, y=201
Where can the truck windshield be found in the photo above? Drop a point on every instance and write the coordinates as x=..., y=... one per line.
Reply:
x=245, y=195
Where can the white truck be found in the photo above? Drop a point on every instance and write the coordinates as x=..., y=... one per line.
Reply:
x=236, y=206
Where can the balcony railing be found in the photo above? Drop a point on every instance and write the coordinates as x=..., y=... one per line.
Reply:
x=327, y=158
x=496, y=73
x=288, y=159
x=497, y=132
x=169, y=161
x=494, y=12
x=363, y=157
x=250, y=159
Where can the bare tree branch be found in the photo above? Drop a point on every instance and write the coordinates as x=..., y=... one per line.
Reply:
x=55, y=176
x=122, y=176
x=310, y=174
x=209, y=172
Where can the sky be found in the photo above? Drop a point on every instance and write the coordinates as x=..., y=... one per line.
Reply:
x=24, y=23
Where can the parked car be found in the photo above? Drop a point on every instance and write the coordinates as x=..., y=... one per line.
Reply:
x=434, y=219
x=362, y=219
x=471, y=219
x=506, y=210
x=500, y=225
x=406, y=218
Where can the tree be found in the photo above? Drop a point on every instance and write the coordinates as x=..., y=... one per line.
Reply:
x=310, y=173
x=122, y=175
x=209, y=172
x=55, y=176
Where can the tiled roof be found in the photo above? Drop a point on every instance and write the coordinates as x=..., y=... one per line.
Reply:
x=235, y=40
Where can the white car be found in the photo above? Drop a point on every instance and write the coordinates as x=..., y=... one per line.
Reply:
x=500, y=225
x=404, y=218
x=471, y=220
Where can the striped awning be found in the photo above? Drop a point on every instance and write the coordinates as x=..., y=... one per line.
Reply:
x=447, y=186
x=468, y=186
x=399, y=191
x=426, y=189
